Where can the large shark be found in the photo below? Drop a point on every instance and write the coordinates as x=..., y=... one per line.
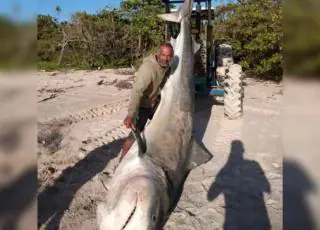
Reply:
x=149, y=180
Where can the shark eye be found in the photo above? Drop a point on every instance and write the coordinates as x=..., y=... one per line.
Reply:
x=154, y=218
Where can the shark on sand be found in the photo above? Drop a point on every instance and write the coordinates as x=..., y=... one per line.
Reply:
x=147, y=183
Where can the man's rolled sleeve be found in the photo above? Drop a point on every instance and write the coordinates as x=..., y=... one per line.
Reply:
x=142, y=81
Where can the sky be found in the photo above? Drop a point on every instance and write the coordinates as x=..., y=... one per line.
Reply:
x=28, y=9
x=70, y=6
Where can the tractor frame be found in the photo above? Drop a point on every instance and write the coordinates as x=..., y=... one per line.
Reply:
x=201, y=19
x=215, y=73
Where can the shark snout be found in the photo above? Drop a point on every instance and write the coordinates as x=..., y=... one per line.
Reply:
x=138, y=207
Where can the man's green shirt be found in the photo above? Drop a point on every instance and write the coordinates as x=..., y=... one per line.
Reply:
x=146, y=86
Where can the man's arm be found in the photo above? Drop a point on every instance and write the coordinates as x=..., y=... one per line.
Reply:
x=142, y=82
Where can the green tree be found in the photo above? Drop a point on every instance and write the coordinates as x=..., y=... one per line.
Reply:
x=302, y=37
x=48, y=29
x=254, y=29
x=109, y=38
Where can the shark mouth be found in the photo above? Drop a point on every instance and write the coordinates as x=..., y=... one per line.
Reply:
x=131, y=214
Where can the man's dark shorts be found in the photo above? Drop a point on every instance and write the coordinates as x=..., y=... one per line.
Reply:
x=143, y=115
x=141, y=120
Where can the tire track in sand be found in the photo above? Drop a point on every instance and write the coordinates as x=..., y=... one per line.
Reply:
x=91, y=113
x=117, y=132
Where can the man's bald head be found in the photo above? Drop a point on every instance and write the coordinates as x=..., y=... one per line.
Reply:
x=165, y=54
x=166, y=46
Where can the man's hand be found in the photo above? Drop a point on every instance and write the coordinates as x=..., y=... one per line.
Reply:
x=128, y=122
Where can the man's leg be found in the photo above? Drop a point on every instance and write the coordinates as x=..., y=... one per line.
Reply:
x=106, y=176
x=126, y=146
x=144, y=115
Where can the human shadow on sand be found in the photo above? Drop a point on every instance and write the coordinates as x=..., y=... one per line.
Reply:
x=16, y=198
x=297, y=184
x=242, y=182
x=56, y=199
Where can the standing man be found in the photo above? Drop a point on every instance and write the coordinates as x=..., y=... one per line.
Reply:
x=145, y=95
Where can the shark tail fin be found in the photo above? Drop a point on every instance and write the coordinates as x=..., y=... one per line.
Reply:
x=184, y=11
x=171, y=17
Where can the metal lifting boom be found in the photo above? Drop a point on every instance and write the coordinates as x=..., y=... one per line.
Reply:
x=202, y=16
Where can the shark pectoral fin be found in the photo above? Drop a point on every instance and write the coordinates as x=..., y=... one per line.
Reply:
x=195, y=45
x=171, y=17
x=141, y=143
x=199, y=154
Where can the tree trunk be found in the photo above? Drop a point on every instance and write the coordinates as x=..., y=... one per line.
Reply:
x=63, y=44
x=139, y=44
x=61, y=53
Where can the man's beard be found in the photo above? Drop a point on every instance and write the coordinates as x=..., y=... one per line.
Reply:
x=163, y=64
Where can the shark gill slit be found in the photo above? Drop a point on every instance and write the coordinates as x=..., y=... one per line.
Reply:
x=131, y=214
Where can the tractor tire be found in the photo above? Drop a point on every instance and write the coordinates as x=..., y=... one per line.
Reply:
x=233, y=89
x=225, y=55
x=221, y=73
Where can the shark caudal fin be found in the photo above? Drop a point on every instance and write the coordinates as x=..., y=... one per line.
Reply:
x=184, y=11
x=171, y=17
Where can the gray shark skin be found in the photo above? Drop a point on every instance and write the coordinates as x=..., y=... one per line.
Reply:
x=145, y=185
